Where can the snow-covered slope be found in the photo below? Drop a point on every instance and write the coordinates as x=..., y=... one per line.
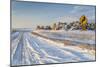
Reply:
x=27, y=49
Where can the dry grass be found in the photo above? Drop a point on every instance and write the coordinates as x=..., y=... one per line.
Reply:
x=86, y=46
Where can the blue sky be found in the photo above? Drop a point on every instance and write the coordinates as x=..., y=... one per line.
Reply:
x=31, y=14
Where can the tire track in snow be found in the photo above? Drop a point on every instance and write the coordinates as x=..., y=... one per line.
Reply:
x=17, y=55
x=40, y=50
x=52, y=57
x=33, y=52
x=77, y=54
x=15, y=43
x=31, y=49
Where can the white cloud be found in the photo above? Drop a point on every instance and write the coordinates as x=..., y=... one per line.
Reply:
x=88, y=11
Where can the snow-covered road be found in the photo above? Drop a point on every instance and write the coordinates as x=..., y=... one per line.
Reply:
x=27, y=49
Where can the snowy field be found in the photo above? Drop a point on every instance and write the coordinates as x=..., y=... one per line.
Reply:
x=87, y=37
x=27, y=48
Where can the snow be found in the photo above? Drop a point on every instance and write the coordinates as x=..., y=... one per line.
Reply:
x=87, y=37
x=27, y=49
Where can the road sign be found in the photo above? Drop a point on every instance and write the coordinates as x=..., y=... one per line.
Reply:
x=83, y=22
